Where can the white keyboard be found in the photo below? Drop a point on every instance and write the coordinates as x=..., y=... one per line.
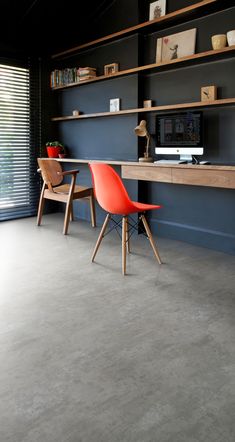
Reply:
x=170, y=162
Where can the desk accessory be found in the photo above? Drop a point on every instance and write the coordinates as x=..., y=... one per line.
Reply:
x=209, y=93
x=114, y=105
x=231, y=38
x=110, y=69
x=176, y=45
x=157, y=9
x=219, y=41
x=141, y=131
x=148, y=103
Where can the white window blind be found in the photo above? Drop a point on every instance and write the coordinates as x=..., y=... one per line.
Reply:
x=18, y=192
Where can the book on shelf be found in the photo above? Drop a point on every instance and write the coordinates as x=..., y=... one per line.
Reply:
x=81, y=74
x=63, y=77
x=87, y=77
x=86, y=71
x=87, y=68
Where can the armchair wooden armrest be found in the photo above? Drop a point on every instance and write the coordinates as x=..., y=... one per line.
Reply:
x=68, y=172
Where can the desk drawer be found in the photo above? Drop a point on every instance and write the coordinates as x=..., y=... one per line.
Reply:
x=147, y=173
x=199, y=177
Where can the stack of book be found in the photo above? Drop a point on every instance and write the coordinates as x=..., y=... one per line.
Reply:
x=84, y=74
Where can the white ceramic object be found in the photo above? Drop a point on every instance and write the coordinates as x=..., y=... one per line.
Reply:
x=231, y=38
x=219, y=41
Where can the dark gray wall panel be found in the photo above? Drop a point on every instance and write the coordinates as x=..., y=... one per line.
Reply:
x=94, y=97
x=124, y=52
x=183, y=85
x=194, y=214
x=103, y=138
x=200, y=215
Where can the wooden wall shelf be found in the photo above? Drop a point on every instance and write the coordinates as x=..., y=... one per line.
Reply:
x=159, y=67
x=194, y=105
x=187, y=13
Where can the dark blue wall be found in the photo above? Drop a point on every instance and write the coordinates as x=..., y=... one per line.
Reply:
x=199, y=215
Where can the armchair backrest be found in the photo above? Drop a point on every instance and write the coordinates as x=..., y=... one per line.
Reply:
x=49, y=170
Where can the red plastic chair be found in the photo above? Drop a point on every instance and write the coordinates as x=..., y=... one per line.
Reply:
x=114, y=199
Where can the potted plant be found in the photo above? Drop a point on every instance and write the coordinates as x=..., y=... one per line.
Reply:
x=55, y=149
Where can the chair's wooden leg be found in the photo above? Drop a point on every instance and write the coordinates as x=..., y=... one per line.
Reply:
x=66, y=217
x=92, y=209
x=124, y=235
x=41, y=205
x=150, y=237
x=127, y=237
x=101, y=235
x=69, y=205
x=71, y=212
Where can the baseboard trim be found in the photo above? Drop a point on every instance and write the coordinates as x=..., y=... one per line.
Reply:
x=211, y=239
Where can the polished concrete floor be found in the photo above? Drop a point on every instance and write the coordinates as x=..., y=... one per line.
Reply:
x=88, y=355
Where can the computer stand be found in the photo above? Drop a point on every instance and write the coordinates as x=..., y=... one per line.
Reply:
x=184, y=159
x=170, y=162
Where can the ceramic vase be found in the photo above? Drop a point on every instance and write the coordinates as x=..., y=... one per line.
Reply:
x=219, y=41
x=231, y=38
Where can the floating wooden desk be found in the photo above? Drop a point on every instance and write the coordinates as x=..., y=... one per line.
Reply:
x=188, y=174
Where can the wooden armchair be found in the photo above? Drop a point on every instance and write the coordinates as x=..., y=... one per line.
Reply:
x=52, y=189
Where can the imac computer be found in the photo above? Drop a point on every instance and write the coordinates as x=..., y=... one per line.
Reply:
x=179, y=134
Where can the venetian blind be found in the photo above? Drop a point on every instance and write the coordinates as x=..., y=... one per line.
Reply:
x=19, y=187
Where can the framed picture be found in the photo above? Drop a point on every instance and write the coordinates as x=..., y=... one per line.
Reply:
x=157, y=9
x=114, y=105
x=110, y=69
x=176, y=46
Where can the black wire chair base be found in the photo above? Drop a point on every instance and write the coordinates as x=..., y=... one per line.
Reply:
x=132, y=226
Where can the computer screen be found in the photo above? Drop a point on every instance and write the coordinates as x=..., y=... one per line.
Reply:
x=179, y=133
